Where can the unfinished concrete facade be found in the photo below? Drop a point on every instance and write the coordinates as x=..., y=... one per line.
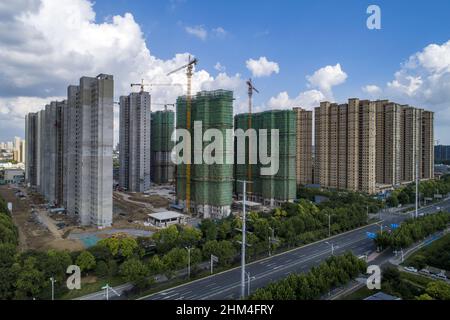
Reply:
x=73, y=151
x=134, y=146
x=31, y=134
x=89, y=194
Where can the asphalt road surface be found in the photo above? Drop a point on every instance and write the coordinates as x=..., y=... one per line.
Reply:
x=226, y=285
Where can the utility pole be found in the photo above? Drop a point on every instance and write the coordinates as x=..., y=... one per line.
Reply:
x=417, y=177
x=332, y=247
x=417, y=187
x=213, y=259
x=271, y=240
x=189, y=261
x=248, y=287
x=329, y=225
x=107, y=288
x=244, y=218
x=52, y=279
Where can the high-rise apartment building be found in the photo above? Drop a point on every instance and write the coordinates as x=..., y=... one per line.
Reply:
x=92, y=144
x=345, y=145
x=162, y=167
x=272, y=189
x=134, y=152
x=19, y=150
x=208, y=187
x=441, y=153
x=73, y=151
x=388, y=143
x=31, y=134
x=427, y=168
x=304, y=120
x=369, y=145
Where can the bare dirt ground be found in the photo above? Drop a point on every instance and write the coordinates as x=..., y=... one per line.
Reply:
x=41, y=230
x=36, y=230
x=155, y=201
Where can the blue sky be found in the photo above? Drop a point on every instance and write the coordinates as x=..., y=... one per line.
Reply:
x=312, y=50
x=302, y=36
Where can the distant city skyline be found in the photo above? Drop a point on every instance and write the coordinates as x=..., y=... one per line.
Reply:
x=296, y=58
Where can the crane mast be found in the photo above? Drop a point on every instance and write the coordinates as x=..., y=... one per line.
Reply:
x=251, y=88
x=189, y=73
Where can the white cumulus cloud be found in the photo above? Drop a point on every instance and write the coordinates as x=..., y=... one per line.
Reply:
x=424, y=81
x=262, y=67
x=45, y=45
x=197, y=31
x=371, y=89
x=327, y=77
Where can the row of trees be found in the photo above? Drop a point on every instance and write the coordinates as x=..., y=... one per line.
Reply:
x=412, y=230
x=427, y=189
x=437, y=255
x=334, y=272
x=139, y=260
x=398, y=284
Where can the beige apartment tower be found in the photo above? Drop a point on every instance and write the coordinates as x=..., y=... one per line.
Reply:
x=345, y=145
x=304, y=146
x=372, y=145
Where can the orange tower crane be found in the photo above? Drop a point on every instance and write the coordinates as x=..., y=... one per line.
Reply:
x=189, y=73
x=251, y=88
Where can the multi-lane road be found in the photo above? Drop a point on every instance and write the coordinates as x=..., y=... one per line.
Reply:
x=226, y=285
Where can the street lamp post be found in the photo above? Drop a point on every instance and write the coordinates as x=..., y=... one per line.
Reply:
x=189, y=261
x=332, y=247
x=329, y=225
x=248, y=287
x=52, y=280
x=271, y=240
x=243, y=239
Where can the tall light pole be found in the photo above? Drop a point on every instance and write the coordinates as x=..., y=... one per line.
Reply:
x=107, y=288
x=244, y=218
x=52, y=280
x=248, y=279
x=189, y=261
x=332, y=247
x=271, y=240
x=244, y=231
x=417, y=174
x=329, y=225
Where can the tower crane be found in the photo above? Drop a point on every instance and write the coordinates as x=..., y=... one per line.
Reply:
x=189, y=67
x=165, y=105
x=142, y=85
x=251, y=88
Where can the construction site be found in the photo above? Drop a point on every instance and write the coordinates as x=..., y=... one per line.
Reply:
x=42, y=226
x=269, y=190
x=162, y=168
x=206, y=189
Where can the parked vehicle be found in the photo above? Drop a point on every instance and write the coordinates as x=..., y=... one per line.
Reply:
x=411, y=269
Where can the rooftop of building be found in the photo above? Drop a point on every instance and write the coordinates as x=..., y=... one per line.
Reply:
x=165, y=215
x=382, y=296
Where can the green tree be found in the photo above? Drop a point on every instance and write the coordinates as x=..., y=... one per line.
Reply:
x=101, y=270
x=189, y=237
x=438, y=290
x=166, y=239
x=30, y=281
x=156, y=265
x=86, y=261
x=133, y=269
x=224, y=250
x=209, y=229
